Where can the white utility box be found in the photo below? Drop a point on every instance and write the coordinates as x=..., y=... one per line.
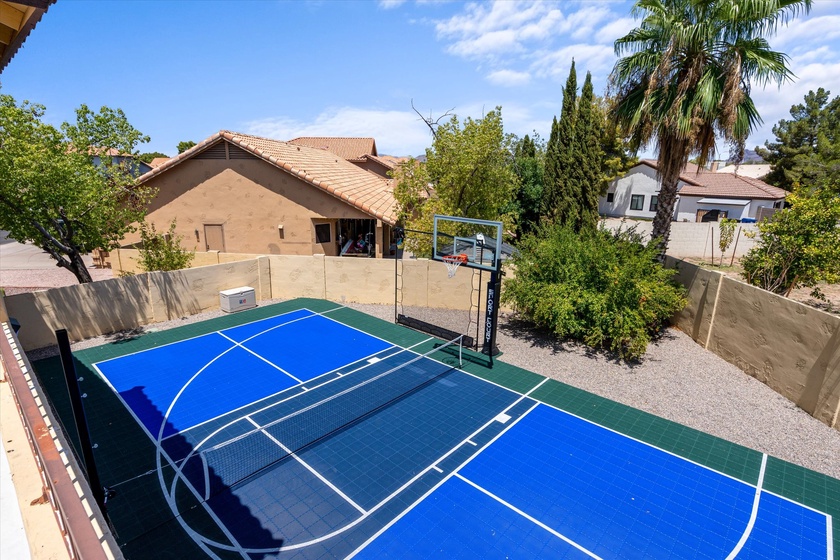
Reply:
x=237, y=299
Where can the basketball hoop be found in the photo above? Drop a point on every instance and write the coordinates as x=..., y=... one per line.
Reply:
x=452, y=263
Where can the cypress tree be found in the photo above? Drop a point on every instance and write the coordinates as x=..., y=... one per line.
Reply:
x=587, y=171
x=552, y=155
x=565, y=203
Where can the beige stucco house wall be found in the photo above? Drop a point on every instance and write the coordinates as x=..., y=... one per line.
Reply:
x=225, y=196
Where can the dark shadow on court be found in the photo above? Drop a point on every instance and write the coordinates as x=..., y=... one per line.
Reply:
x=142, y=519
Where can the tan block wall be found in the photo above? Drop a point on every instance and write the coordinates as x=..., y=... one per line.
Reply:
x=187, y=292
x=791, y=347
x=294, y=276
x=250, y=199
x=85, y=310
x=125, y=260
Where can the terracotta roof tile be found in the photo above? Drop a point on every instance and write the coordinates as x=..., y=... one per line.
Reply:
x=347, y=148
x=707, y=183
x=322, y=169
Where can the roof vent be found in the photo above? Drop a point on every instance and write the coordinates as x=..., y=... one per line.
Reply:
x=216, y=151
x=239, y=153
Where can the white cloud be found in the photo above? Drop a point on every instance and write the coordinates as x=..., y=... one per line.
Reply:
x=510, y=78
x=598, y=59
x=774, y=103
x=390, y=4
x=803, y=33
x=612, y=30
x=483, y=29
x=396, y=132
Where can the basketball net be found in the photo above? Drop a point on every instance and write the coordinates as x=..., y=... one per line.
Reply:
x=452, y=263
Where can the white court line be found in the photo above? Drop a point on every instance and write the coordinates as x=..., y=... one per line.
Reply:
x=754, y=514
x=829, y=536
x=360, y=368
x=529, y=518
x=447, y=477
x=160, y=452
x=308, y=467
x=272, y=364
x=212, y=332
x=399, y=490
x=234, y=421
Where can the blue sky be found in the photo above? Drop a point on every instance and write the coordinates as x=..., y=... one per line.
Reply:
x=183, y=70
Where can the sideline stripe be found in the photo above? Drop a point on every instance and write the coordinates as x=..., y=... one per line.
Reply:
x=529, y=518
x=743, y=540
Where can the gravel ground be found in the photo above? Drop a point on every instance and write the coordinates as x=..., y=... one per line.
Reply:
x=677, y=380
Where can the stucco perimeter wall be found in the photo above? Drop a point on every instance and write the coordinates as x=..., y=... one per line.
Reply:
x=424, y=283
x=85, y=310
x=125, y=260
x=791, y=347
x=88, y=310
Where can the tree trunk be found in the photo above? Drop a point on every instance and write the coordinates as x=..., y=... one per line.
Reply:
x=664, y=212
x=78, y=268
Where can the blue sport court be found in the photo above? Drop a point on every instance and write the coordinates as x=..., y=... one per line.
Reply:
x=309, y=430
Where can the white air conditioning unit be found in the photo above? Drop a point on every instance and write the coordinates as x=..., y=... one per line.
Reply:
x=237, y=299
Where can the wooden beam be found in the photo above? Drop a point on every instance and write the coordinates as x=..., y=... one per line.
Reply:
x=6, y=35
x=11, y=16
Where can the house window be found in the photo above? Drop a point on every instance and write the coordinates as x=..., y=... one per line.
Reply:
x=637, y=202
x=654, y=203
x=322, y=233
x=610, y=197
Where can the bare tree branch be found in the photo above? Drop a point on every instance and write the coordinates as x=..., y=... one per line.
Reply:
x=430, y=122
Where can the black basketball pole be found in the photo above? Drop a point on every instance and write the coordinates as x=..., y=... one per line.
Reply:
x=491, y=320
x=79, y=416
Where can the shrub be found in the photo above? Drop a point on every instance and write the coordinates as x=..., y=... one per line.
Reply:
x=799, y=246
x=162, y=251
x=605, y=289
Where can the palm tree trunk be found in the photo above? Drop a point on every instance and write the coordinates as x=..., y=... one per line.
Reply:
x=664, y=212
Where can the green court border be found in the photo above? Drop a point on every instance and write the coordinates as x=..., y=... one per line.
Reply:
x=797, y=483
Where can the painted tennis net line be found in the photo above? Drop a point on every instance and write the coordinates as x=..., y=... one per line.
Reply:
x=238, y=460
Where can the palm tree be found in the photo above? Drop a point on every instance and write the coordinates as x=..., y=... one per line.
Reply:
x=687, y=76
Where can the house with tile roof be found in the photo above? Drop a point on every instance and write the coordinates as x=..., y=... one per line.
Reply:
x=239, y=193
x=360, y=151
x=699, y=192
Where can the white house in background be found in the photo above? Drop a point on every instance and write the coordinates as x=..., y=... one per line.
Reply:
x=733, y=196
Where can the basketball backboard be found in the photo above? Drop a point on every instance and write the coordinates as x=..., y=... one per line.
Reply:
x=479, y=240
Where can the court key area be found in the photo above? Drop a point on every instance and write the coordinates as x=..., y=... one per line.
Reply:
x=310, y=430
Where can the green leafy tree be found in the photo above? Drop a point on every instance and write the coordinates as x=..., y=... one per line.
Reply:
x=149, y=156
x=617, y=156
x=162, y=251
x=807, y=147
x=604, y=289
x=529, y=166
x=562, y=198
x=185, y=145
x=468, y=173
x=588, y=156
x=51, y=192
x=686, y=73
x=727, y=235
x=800, y=245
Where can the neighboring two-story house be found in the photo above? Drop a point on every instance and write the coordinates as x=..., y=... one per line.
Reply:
x=699, y=192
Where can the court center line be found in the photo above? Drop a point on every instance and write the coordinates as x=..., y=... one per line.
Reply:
x=275, y=366
x=533, y=520
x=751, y=523
x=308, y=467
